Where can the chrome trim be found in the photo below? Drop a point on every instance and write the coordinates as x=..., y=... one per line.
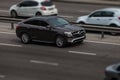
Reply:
x=74, y=39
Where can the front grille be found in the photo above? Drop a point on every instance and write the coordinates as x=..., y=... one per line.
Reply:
x=79, y=33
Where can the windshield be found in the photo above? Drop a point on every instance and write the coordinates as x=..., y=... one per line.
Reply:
x=47, y=3
x=58, y=22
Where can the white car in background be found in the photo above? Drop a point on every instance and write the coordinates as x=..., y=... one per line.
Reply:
x=107, y=16
x=29, y=8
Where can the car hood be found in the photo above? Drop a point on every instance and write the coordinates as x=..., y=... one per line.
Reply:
x=83, y=17
x=69, y=28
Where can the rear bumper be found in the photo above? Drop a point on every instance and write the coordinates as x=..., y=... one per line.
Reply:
x=52, y=12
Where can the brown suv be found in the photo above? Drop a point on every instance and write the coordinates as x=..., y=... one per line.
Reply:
x=50, y=29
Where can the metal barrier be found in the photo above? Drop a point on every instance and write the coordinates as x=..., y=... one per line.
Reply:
x=101, y=29
x=10, y=20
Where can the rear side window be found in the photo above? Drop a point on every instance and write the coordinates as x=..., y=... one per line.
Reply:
x=107, y=14
x=37, y=23
x=28, y=4
x=47, y=3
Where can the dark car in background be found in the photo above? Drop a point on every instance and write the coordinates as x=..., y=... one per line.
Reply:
x=112, y=72
x=50, y=29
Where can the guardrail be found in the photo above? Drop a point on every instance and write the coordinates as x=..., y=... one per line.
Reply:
x=101, y=29
x=10, y=20
x=113, y=30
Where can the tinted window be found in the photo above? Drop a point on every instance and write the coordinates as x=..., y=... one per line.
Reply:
x=96, y=14
x=28, y=4
x=47, y=3
x=107, y=14
x=37, y=23
x=58, y=21
x=118, y=68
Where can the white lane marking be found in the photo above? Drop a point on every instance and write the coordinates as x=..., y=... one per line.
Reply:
x=11, y=45
x=66, y=16
x=4, y=11
x=84, y=53
x=103, y=42
x=43, y=62
x=7, y=33
x=2, y=76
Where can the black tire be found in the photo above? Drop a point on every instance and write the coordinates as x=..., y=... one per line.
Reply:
x=60, y=41
x=114, y=79
x=81, y=23
x=113, y=33
x=38, y=14
x=13, y=14
x=25, y=38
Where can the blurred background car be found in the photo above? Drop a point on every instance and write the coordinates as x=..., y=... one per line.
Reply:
x=106, y=16
x=50, y=29
x=112, y=72
x=30, y=8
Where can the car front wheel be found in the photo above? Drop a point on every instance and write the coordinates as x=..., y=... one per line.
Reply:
x=13, y=14
x=60, y=41
x=25, y=38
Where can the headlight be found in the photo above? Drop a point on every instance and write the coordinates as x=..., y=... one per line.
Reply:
x=68, y=34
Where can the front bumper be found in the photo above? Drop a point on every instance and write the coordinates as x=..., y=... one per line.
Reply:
x=74, y=40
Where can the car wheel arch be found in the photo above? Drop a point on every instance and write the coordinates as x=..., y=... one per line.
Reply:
x=81, y=22
x=38, y=12
x=112, y=25
x=14, y=12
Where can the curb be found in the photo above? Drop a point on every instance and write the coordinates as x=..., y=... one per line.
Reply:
x=88, y=2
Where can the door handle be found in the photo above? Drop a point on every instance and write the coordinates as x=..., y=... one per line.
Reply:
x=98, y=19
x=110, y=19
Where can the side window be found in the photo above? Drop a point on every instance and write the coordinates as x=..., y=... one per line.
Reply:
x=107, y=14
x=96, y=14
x=28, y=4
x=23, y=4
x=118, y=68
x=32, y=3
x=31, y=22
x=42, y=23
x=37, y=23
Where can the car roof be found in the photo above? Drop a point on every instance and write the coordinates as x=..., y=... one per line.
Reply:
x=44, y=17
x=37, y=0
x=110, y=9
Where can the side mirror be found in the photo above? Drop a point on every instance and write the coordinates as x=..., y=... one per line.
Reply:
x=19, y=5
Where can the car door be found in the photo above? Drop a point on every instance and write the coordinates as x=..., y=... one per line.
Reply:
x=21, y=8
x=94, y=18
x=107, y=17
x=32, y=8
x=45, y=31
x=39, y=30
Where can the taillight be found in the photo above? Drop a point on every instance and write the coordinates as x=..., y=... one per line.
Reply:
x=17, y=26
x=43, y=8
x=119, y=18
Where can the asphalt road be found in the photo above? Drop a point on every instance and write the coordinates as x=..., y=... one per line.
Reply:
x=68, y=10
x=40, y=61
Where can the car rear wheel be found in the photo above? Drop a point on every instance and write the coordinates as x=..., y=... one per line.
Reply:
x=25, y=38
x=60, y=41
x=113, y=33
x=38, y=14
x=14, y=14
